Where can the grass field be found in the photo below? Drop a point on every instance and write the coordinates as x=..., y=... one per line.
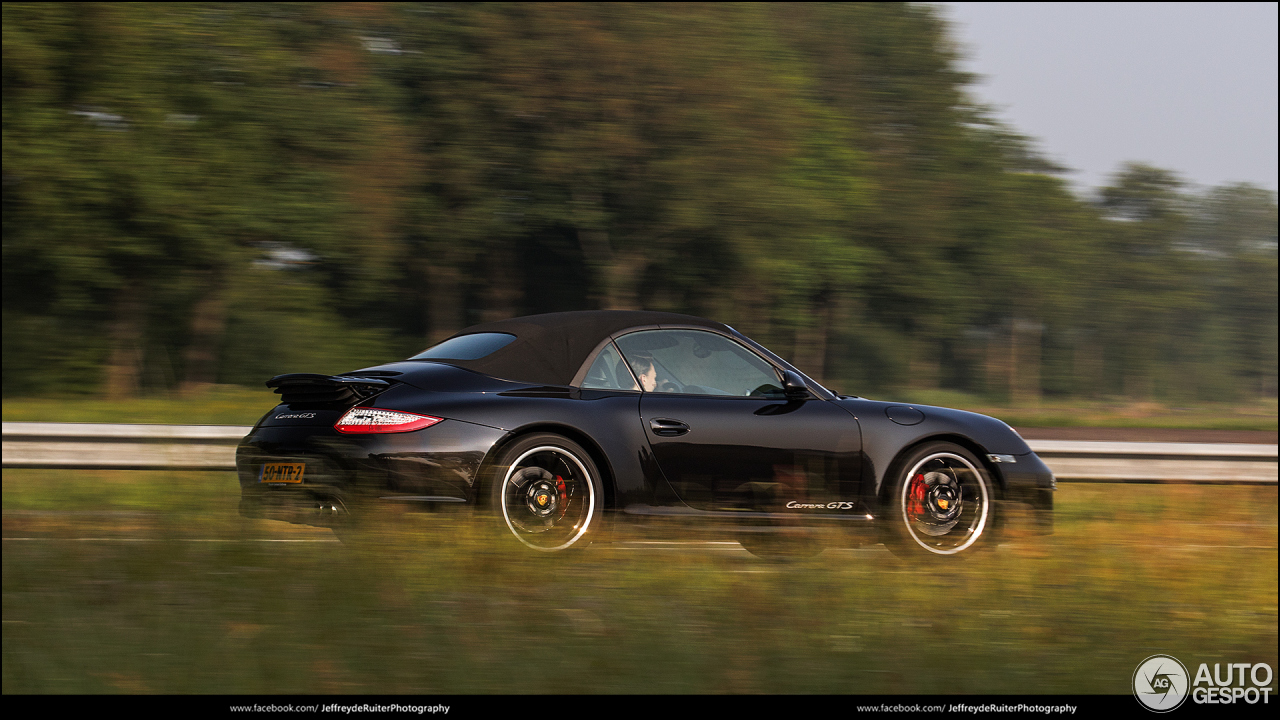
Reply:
x=149, y=582
x=221, y=405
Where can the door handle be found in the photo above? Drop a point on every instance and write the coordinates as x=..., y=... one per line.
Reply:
x=666, y=427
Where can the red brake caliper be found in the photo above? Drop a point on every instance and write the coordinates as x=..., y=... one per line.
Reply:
x=916, y=496
x=564, y=495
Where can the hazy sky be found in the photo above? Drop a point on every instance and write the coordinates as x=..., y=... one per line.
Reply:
x=1189, y=87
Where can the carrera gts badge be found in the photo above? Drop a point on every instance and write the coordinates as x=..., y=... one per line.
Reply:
x=838, y=505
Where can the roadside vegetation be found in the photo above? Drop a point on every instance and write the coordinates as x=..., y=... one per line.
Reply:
x=149, y=582
x=214, y=194
x=219, y=405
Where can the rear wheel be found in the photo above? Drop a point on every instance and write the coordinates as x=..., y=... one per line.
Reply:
x=547, y=493
x=941, y=503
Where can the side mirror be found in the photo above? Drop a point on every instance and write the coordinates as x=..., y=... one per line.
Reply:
x=794, y=386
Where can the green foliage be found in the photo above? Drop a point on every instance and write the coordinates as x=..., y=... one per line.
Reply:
x=219, y=405
x=277, y=321
x=218, y=193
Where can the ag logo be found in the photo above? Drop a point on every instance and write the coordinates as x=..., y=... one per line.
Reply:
x=1160, y=683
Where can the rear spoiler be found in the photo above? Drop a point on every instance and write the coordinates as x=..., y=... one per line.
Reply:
x=325, y=389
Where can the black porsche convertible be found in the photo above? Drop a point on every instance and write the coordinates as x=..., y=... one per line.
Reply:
x=568, y=428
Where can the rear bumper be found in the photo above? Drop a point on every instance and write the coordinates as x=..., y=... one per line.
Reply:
x=299, y=506
x=436, y=467
x=1027, y=506
x=329, y=484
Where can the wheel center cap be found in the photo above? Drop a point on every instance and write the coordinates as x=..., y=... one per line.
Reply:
x=944, y=500
x=542, y=500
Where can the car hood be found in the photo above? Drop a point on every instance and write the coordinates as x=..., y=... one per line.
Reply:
x=924, y=420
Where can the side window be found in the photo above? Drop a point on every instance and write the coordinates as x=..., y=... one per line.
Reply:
x=699, y=363
x=608, y=372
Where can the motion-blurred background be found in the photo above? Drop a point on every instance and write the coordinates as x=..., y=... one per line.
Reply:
x=213, y=194
x=197, y=197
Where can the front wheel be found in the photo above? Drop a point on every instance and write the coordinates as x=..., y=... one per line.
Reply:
x=941, y=503
x=547, y=493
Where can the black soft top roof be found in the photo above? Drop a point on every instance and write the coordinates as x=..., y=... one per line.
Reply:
x=549, y=349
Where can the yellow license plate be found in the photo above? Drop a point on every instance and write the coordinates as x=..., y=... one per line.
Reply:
x=281, y=473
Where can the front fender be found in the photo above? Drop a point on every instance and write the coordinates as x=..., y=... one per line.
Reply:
x=888, y=429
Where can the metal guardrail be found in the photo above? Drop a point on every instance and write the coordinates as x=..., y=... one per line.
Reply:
x=212, y=447
x=1228, y=463
x=99, y=446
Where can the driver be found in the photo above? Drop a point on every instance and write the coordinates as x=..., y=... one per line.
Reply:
x=647, y=373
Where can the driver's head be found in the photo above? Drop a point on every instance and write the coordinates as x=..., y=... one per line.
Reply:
x=645, y=372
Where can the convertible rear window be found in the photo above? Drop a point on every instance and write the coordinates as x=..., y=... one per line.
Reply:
x=609, y=372
x=466, y=347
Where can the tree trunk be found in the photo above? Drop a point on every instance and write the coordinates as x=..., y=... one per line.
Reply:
x=624, y=278
x=997, y=363
x=1138, y=365
x=208, y=321
x=811, y=340
x=444, y=284
x=1088, y=367
x=1024, y=353
x=617, y=275
x=923, y=365
x=128, y=328
x=504, y=291
x=593, y=239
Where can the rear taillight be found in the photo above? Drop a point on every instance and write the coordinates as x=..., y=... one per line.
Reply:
x=374, y=420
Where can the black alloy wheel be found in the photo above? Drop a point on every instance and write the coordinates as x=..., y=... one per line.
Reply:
x=547, y=493
x=941, y=503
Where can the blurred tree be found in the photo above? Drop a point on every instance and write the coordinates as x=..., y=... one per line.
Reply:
x=1146, y=283
x=1231, y=240
x=215, y=193
x=150, y=154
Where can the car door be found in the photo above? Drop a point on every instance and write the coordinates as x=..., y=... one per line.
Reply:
x=725, y=435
